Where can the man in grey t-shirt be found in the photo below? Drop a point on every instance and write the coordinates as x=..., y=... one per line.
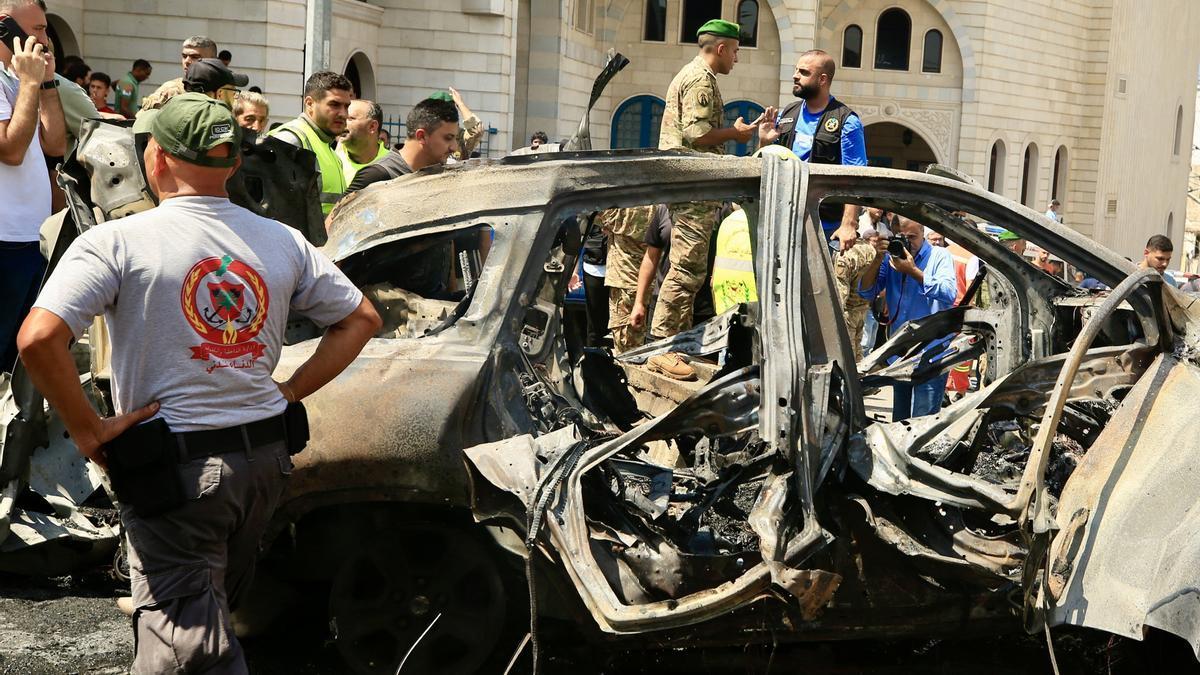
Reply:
x=196, y=294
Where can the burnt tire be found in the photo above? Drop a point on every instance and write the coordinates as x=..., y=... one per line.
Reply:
x=411, y=578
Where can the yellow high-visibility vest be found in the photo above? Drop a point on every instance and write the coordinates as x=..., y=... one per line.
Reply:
x=733, y=267
x=350, y=168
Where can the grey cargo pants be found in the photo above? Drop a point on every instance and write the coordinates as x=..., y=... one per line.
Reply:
x=190, y=565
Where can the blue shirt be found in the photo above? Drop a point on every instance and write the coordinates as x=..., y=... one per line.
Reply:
x=854, y=145
x=907, y=299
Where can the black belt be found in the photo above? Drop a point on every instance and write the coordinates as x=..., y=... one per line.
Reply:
x=208, y=442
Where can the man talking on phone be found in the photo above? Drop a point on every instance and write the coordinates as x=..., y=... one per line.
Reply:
x=31, y=125
x=919, y=280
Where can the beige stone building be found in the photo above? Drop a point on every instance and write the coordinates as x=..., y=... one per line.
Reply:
x=1089, y=101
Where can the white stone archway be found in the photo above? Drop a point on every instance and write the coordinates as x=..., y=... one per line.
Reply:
x=936, y=127
x=902, y=146
x=65, y=43
x=361, y=73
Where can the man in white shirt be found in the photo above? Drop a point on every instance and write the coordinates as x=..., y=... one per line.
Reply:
x=31, y=125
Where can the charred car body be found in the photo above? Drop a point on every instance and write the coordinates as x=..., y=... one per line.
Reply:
x=765, y=500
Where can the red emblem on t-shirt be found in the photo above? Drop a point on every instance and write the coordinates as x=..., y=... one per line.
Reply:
x=225, y=301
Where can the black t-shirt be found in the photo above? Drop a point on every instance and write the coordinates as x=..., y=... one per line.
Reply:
x=391, y=166
x=658, y=235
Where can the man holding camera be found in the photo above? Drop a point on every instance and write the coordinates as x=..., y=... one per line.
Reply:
x=919, y=281
x=196, y=292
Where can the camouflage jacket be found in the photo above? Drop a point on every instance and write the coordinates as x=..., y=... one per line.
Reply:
x=626, y=244
x=693, y=108
x=848, y=268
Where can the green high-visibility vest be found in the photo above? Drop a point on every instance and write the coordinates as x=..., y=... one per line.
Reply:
x=350, y=167
x=333, y=183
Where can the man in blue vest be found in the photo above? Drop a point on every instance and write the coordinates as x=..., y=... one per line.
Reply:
x=327, y=98
x=820, y=129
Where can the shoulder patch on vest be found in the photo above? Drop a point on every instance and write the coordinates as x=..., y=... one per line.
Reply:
x=831, y=124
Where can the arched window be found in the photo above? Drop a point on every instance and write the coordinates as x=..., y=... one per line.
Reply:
x=656, y=21
x=1178, y=129
x=1029, y=170
x=748, y=19
x=995, y=181
x=695, y=14
x=747, y=110
x=852, y=47
x=893, y=34
x=931, y=62
x=637, y=122
x=1058, y=184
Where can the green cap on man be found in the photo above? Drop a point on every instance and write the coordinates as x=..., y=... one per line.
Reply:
x=720, y=28
x=191, y=124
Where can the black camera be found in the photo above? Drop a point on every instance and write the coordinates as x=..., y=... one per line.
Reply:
x=898, y=246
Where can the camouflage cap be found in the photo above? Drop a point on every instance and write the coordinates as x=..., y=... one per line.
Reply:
x=720, y=28
x=191, y=124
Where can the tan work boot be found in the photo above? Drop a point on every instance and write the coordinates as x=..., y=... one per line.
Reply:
x=672, y=365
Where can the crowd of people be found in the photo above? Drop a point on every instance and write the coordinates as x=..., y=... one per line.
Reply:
x=649, y=273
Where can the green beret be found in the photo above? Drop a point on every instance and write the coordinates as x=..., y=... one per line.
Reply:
x=442, y=96
x=1009, y=235
x=720, y=28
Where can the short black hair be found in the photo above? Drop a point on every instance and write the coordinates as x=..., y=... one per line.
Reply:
x=429, y=115
x=539, y=136
x=256, y=89
x=225, y=55
x=1159, y=243
x=142, y=63
x=321, y=82
x=103, y=77
x=78, y=70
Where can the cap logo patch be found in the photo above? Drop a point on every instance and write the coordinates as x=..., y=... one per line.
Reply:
x=221, y=130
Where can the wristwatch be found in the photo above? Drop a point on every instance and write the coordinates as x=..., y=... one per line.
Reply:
x=52, y=84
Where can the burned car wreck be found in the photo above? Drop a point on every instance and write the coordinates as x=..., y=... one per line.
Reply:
x=768, y=502
x=471, y=437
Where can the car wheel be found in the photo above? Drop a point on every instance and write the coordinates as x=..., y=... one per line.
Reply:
x=408, y=579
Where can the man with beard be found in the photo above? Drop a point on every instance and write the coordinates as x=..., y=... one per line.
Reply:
x=360, y=145
x=326, y=100
x=821, y=129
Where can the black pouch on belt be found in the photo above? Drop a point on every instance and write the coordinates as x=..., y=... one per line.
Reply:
x=143, y=464
x=295, y=422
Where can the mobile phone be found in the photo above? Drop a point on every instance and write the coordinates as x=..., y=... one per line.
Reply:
x=10, y=30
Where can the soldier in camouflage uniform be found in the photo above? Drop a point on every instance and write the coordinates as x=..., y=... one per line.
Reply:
x=848, y=268
x=626, y=247
x=692, y=120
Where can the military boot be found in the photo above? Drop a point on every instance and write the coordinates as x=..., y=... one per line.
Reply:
x=672, y=365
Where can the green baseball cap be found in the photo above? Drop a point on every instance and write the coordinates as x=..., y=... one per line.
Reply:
x=191, y=124
x=720, y=28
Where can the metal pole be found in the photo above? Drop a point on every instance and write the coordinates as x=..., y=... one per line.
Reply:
x=318, y=29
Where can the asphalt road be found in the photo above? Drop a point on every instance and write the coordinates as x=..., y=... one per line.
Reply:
x=72, y=625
